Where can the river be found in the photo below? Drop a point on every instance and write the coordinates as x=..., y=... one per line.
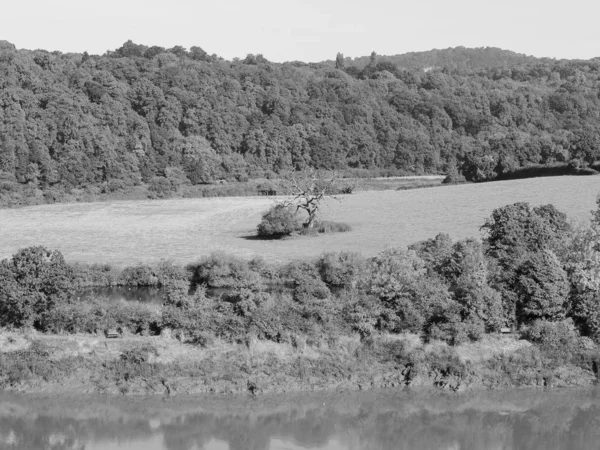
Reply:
x=377, y=420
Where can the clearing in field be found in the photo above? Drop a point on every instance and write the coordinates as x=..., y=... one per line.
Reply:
x=127, y=232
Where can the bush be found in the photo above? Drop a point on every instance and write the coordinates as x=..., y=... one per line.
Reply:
x=140, y=354
x=223, y=270
x=95, y=275
x=160, y=187
x=558, y=338
x=343, y=269
x=297, y=270
x=314, y=297
x=325, y=226
x=177, y=295
x=139, y=275
x=35, y=363
x=96, y=316
x=245, y=302
x=393, y=271
x=456, y=332
x=363, y=314
x=454, y=177
x=166, y=271
x=279, y=221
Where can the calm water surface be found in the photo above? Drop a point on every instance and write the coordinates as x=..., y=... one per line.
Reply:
x=370, y=421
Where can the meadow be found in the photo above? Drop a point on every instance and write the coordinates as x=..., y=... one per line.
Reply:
x=182, y=230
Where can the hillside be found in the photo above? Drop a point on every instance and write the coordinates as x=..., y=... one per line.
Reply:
x=452, y=58
x=166, y=118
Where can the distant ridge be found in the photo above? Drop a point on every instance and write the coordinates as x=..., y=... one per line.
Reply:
x=455, y=58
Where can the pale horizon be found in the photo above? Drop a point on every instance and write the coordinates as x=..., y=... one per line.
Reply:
x=308, y=31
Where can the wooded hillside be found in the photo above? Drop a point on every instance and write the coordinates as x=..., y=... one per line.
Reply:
x=153, y=115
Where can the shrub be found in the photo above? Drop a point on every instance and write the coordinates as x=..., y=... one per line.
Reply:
x=324, y=227
x=96, y=315
x=177, y=295
x=454, y=177
x=560, y=343
x=139, y=354
x=343, y=269
x=245, y=301
x=363, y=314
x=314, y=297
x=139, y=275
x=72, y=318
x=298, y=270
x=553, y=335
x=258, y=265
x=95, y=275
x=166, y=271
x=223, y=270
x=35, y=363
x=160, y=187
x=279, y=221
x=456, y=332
x=308, y=289
x=393, y=272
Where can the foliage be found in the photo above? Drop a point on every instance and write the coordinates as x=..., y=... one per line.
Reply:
x=527, y=272
x=34, y=363
x=466, y=271
x=140, y=275
x=33, y=282
x=281, y=220
x=516, y=237
x=434, y=252
x=222, y=270
x=96, y=316
x=542, y=288
x=166, y=119
x=326, y=226
x=343, y=269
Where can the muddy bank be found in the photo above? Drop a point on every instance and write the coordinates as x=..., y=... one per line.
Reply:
x=163, y=365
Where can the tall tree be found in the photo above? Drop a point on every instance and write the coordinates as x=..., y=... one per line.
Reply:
x=339, y=61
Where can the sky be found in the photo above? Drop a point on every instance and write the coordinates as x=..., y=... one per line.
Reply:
x=307, y=30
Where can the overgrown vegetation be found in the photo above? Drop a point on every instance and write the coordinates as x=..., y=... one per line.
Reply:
x=533, y=272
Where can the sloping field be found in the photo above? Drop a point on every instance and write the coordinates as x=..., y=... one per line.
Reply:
x=126, y=232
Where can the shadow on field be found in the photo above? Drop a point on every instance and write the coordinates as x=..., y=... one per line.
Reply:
x=254, y=237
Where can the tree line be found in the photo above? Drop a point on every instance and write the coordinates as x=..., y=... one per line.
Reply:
x=163, y=118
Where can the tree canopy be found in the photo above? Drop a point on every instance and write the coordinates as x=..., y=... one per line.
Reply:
x=106, y=123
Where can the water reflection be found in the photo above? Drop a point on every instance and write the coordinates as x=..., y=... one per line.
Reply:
x=143, y=294
x=155, y=295
x=376, y=421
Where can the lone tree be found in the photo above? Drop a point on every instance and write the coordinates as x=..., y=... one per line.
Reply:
x=308, y=188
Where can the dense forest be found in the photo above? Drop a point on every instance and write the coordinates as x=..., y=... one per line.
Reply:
x=165, y=118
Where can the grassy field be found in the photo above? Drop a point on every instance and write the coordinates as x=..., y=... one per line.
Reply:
x=126, y=232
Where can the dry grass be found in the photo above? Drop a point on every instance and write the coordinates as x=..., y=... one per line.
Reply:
x=126, y=232
x=489, y=346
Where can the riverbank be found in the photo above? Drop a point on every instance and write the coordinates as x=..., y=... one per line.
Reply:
x=163, y=365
